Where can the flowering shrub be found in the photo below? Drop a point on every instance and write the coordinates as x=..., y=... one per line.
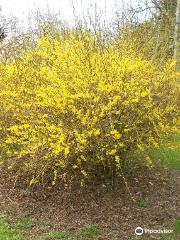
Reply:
x=72, y=107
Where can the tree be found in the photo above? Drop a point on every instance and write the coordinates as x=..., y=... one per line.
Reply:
x=177, y=31
x=2, y=31
x=2, y=34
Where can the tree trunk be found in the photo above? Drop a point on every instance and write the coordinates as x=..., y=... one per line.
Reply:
x=177, y=31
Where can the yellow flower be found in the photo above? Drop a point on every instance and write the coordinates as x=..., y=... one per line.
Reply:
x=78, y=106
x=82, y=183
x=141, y=148
x=32, y=181
x=75, y=166
x=144, y=94
x=112, y=152
x=97, y=132
x=84, y=173
x=152, y=184
x=149, y=162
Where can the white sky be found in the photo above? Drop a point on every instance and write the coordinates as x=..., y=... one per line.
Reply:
x=21, y=8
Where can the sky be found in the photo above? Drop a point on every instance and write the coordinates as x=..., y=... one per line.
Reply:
x=22, y=8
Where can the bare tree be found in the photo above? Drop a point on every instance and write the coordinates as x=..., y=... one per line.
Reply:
x=2, y=30
x=177, y=31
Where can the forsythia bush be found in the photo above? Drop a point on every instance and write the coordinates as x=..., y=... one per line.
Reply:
x=74, y=107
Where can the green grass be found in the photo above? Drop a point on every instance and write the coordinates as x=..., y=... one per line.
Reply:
x=23, y=192
x=173, y=236
x=61, y=235
x=20, y=229
x=11, y=229
x=45, y=224
x=22, y=223
x=90, y=231
x=176, y=232
x=143, y=203
x=56, y=235
x=7, y=233
x=168, y=155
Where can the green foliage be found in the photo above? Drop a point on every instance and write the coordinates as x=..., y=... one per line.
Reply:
x=165, y=179
x=143, y=203
x=90, y=231
x=23, y=192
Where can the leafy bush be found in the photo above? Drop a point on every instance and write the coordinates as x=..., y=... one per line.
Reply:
x=79, y=106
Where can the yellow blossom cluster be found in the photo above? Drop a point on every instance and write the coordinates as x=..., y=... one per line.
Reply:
x=70, y=107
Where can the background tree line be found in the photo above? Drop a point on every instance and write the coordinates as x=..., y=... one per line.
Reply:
x=153, y=23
